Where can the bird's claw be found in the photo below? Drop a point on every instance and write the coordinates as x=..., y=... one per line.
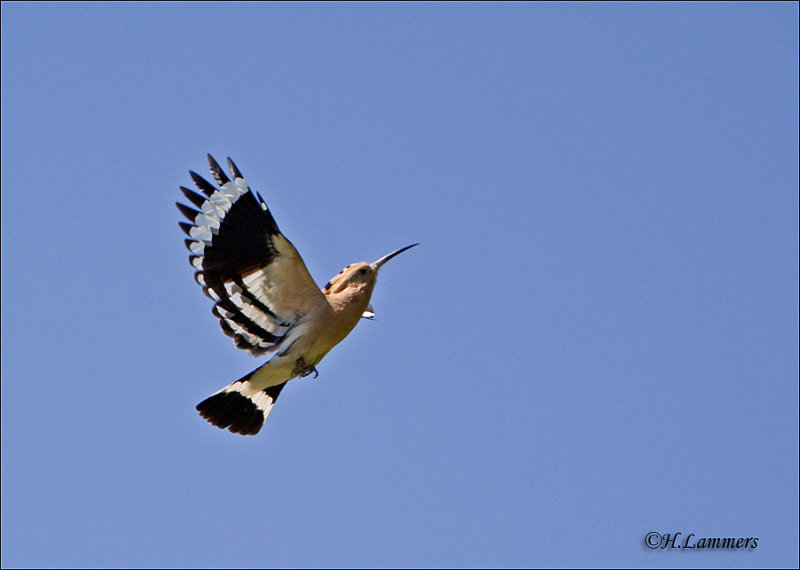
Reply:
x=303, y=370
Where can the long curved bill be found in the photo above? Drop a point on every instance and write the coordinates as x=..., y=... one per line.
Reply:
x=377, y=264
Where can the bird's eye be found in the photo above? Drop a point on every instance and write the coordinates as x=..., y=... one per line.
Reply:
x=362, y=271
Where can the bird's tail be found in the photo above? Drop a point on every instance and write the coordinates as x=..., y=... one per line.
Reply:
x=241, y=407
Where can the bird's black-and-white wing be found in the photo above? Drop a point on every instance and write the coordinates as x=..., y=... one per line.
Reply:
x=258, y=282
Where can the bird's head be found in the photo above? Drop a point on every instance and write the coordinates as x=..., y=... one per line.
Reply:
x=359, y=278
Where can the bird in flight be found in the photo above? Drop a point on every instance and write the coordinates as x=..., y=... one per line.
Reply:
x=264, y=296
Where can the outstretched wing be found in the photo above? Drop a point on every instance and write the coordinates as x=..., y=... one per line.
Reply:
x=257, y=280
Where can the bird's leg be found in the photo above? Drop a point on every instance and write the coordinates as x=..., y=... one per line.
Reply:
x=302, y=369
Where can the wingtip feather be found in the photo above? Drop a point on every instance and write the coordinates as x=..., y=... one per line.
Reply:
x=234, y=170
x=216, y=170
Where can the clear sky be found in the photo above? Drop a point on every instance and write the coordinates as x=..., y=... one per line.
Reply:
x=596, y=339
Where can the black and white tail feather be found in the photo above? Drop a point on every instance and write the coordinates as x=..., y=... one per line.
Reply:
x=239, y=409
x=232, y=240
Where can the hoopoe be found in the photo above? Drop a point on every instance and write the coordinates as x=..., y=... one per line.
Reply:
x=264, y=296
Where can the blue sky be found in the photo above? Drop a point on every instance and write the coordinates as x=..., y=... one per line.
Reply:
x=596, y=339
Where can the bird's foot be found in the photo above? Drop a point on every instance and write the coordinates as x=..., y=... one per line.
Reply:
x=302, y=369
